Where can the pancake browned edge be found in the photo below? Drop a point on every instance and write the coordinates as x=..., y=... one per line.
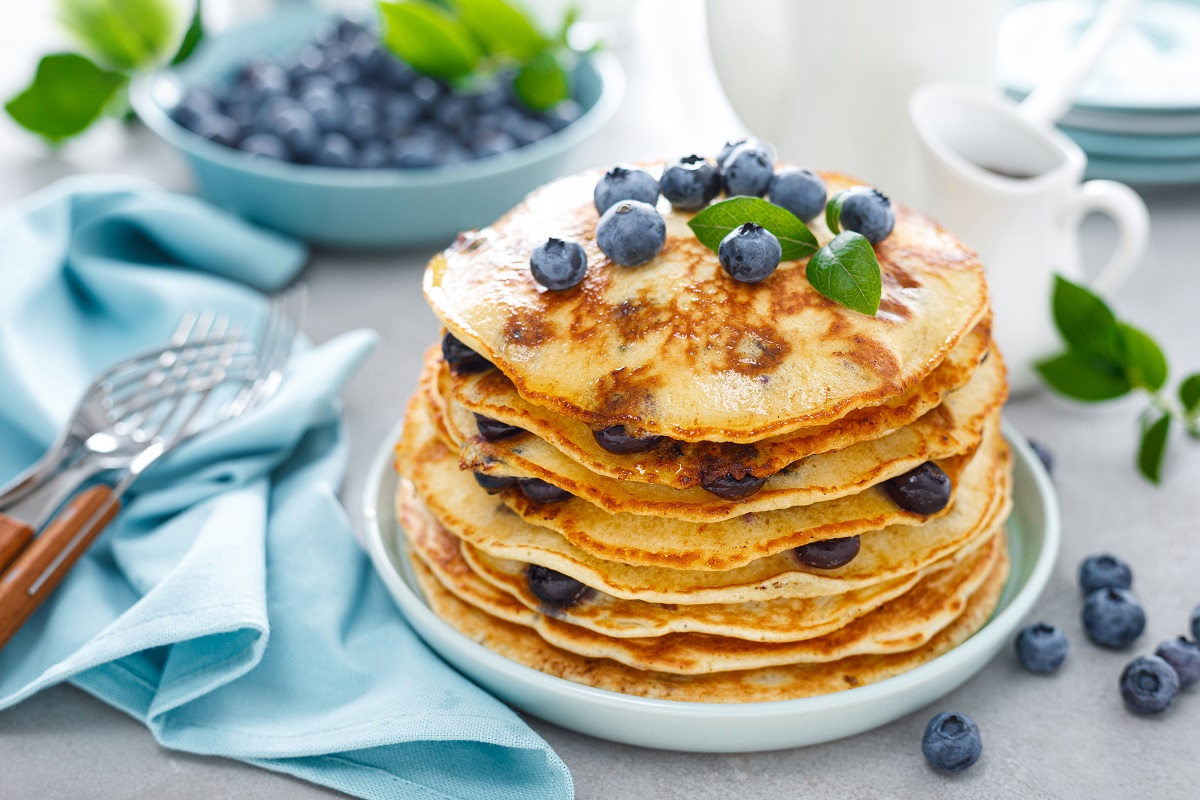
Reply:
x=524, y=646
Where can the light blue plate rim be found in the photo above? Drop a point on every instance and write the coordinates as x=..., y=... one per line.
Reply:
x=1033, y=494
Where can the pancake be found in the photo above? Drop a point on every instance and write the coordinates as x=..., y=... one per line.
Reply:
x=903, y=623
x=524, y=646
x=682, y=464
x=779, y=620
x=952, y=429
x=479, y=519
x=674, y=347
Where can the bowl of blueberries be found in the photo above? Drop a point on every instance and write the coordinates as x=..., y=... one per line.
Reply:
x=305, y=123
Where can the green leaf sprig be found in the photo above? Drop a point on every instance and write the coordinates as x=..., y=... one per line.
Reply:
x=71, y=91
x=1106, y=358
x=458, y=40
x=845, y=270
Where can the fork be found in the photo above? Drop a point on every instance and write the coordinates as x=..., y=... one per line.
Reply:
x=43, y=564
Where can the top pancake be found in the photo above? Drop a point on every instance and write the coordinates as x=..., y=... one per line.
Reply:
x=678, y=348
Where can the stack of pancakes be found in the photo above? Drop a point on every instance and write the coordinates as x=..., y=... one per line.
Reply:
x=688, y=595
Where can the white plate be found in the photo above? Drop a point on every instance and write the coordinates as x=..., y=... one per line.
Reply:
x=720, y=727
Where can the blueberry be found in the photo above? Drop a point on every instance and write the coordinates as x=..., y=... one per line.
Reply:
x=218, y=128
x=1113, y=617
x=336, y=150
x=462, y=359
x=195, y=104
x=951, y=742
x=690, y=182
x=494, y=484
x=924, y=489
x=828, y=554
x=800, y=191
x=563, y=114
x=452, y=153
x=299, y=131
x=624, y=183
x=1148, y=685
x=631, y=232
x=373, y=154
x=615, y=439
x=731, y=486
x=749, y=253
x=453, y=111
x=493, y=429
x=361, y=123
x=265, y=145
x=540, y=491
x=558, y=265
x=554, y=588
x=491, y=143
x=1102, y=572
x=263, y=77
x=400, y=113
x=345, y=72
x=426, y=89
x=526, y=131
x=734, y=144
x=1196, y=623
x=867, y=211
x=415, y=150
x=1184, y=656
x=1041, y=648
x=326, y=107
x=1044, y=455
x=748, y=171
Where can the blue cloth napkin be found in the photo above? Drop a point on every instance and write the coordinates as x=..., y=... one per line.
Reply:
x=229, y=607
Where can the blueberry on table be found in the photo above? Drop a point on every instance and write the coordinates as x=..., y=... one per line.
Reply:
x=493, y=429
x=539, y=491
x=1041, y=648
x=733, y=144
x=748, y=171
x=1044, y=455
x=631, y=233
x=1184, y=656
x=1104, y=571
x=690, y=182
x=624, y=183
x=616, y=439
x=494, y=484
x=462, y=359
x=554, y=588
x=749, y=253
x=558, y=264
x=867, y=211
x=829, y=554
x=264, y=145
x=1148, y=685
x=729, y=486
x=951, y=742
x=799, y=190
x=1113, y=618
x=924, y=489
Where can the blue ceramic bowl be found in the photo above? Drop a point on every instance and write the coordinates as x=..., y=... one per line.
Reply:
x=359, y=207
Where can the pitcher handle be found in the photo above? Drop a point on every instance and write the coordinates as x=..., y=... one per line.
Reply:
x=1127, y=209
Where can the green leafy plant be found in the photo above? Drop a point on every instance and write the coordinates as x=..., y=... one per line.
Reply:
x=845, y=270
x=71, y=91
x=464, y=40
x=1106, y=358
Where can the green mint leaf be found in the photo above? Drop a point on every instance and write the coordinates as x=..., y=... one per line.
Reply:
x=1085, y=322
x=1153, y=447
x=846, y=270
x=429, y=39
x=501, y=28
x=1189, y=393
x=1083, y=376
x=67, y=95
x=833, y=212
x=1145, y=364
x=542, y=83
x=192, y=37
x=714, y=223
x=124, y=34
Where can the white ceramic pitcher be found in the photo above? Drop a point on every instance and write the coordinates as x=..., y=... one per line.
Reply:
x=1012, y=189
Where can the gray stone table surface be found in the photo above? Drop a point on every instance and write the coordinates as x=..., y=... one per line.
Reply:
x=1061, y=736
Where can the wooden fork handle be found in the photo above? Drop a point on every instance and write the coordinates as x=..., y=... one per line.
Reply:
x=14, y=537
x=41, y=566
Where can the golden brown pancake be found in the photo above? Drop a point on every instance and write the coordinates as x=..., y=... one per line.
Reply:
x=683, y=464
x=523, y=645
x=675, y=347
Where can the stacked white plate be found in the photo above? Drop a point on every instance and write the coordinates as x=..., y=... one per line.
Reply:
x=1138, y=114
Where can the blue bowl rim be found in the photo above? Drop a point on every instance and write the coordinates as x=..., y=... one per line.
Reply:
x=155, y=117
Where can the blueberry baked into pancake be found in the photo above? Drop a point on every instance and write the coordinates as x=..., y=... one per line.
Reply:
x=719, y=429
